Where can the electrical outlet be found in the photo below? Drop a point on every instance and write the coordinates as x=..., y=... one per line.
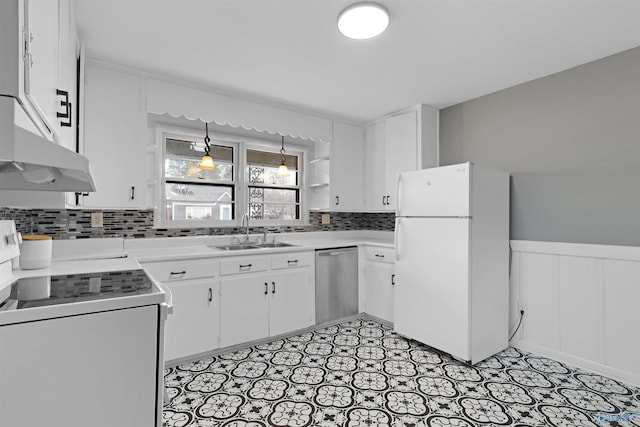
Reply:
x=326, y=219
x=96, y=219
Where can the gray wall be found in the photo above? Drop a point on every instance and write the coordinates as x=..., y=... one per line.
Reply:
x=572, y=144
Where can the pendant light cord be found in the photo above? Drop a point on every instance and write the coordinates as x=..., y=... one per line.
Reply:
x=207, y=140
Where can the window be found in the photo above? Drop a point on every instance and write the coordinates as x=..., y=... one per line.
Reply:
x=244, y=181
x=192, y=195
x=272, y=197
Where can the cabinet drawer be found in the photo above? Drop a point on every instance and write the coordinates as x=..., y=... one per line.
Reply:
x=181, y=270
x=374, y=253
x=291, y=260
x=244, y=265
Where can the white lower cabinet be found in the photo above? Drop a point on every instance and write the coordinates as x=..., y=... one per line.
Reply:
x=379, y=276
x=266, y=303
x=194, y=325
x=291, y=305
x=235, y=300
x=245, y=311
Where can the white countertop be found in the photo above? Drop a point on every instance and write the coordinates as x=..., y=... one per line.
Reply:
x=98, y=255
x=178, y=248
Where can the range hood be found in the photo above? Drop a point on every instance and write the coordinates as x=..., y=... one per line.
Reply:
x=29, y=161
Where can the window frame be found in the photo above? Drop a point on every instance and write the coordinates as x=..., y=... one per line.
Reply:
x=240, y=183
x=295, y=150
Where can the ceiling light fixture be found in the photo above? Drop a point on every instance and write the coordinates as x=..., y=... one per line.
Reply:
x=363, y=20
x=282, y=169
x=207, y=161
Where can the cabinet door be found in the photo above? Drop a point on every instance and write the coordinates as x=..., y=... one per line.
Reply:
x=375, y=166
x=112, y=140
x=401, y=151
x=379, y=285
x=194, y=325
x=41, y=66
x=244, y=309
x=347, y=168
x=69, y=47
x=292, y=301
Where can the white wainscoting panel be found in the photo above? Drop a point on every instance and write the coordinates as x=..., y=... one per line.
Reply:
x=581, y=305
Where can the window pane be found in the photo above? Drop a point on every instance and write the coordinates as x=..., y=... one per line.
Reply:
x=270, y=211
x=267, y=175
x=182, y=159
x=273, y=203
x=272, y=195
x=195, y=202
x=262, y=167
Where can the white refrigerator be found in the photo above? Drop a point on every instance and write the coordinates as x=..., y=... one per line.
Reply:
x=452, y=259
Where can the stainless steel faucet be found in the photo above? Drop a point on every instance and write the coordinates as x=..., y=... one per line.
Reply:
x=246, y=217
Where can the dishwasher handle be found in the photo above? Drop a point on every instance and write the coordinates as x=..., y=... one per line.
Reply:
x=335, y=252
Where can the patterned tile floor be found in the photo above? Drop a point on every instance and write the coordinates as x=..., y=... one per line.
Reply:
x=360, y=373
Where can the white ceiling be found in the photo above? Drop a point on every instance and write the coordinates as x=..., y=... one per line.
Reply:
x=436, y=52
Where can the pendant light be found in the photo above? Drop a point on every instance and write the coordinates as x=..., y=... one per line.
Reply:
x=207, y=161
x=282, y=169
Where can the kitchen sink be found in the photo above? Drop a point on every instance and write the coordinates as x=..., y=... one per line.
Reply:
x=242, y=246
x=275, y=245
x=236, y=247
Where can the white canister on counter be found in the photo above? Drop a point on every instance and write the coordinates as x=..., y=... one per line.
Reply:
x=35, y=252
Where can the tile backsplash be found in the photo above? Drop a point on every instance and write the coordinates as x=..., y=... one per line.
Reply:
x=76, y=223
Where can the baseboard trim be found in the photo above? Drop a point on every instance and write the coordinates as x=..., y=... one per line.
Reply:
x=596, y=368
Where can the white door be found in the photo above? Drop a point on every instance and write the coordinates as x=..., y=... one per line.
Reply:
x=244, y=309
x=442, y=191
x=69, y=371
x=194, y=325
x=379, y=284
x=432, y=282
x=291, y=305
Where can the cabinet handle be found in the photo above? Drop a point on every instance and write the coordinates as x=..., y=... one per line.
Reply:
x=247, y=266
x=210, y=294
x=337, y=200
x=273, y=290
x=292, y=261
x=379, y=256
x=67, y=108
x=177, y=273
x=383, y=202
x=266, y=288
x=393, y=279
x=133, y=193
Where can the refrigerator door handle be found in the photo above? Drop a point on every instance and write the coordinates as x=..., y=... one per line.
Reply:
x=398, y=200
x=397, y=239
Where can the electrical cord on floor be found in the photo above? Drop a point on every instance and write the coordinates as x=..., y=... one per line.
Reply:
x=517, y=327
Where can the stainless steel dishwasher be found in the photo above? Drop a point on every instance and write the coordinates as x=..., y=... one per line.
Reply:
x=336, y=284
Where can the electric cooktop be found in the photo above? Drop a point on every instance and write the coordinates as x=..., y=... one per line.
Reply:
x=43, y=291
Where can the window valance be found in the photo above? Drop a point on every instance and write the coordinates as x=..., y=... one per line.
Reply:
x=194, y=104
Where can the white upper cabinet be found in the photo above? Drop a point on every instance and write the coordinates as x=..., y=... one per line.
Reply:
x=39, y=47
x=69, y=48
x=402, y=142
x=113, y=142
x=41, y=61
x=347, y=168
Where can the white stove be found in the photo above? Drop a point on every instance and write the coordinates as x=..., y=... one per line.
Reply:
x=78, y=326
x=9, y=250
